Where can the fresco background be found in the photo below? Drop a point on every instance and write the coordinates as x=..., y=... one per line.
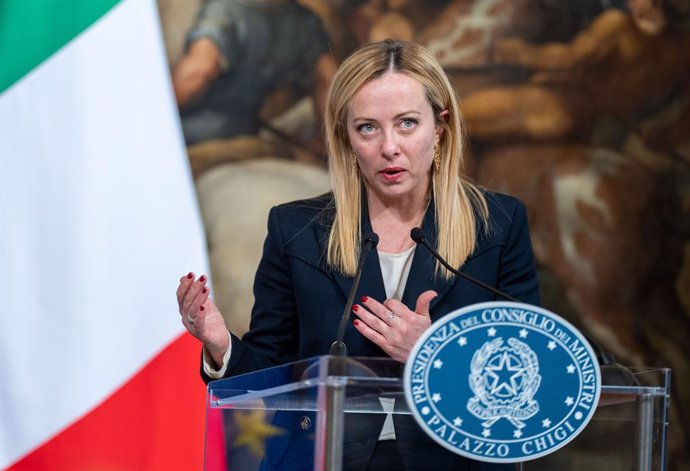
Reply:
x=581, y=109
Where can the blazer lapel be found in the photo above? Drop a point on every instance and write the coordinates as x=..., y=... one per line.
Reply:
x=371, y=282
x=423, y=275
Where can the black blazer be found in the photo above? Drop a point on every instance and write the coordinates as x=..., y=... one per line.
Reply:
x=299, y=301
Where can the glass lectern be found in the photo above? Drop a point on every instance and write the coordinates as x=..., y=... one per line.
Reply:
x=286, y=416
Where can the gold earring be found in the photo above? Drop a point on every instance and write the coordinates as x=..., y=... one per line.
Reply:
x=437, y=157
x=355, y=166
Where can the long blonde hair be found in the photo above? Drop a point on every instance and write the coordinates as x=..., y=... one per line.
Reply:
x=457, y=202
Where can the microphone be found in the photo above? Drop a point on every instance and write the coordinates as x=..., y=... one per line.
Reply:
x=338, y=348
x=417, y=234
x=615, y=373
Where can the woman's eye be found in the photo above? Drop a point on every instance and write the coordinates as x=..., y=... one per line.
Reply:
x=408, y=123
x=366, y=128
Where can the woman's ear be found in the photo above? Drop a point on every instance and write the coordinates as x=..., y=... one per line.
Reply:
x=443, y=116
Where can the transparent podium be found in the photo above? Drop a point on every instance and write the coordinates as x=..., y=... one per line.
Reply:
x=302, y=415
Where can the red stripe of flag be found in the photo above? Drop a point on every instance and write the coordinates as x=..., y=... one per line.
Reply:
x=154, y=422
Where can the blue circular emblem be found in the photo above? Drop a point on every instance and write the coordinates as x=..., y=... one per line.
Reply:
x=502, y=382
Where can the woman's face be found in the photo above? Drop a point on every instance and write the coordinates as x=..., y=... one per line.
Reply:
x=648, y=16
x=392, y=130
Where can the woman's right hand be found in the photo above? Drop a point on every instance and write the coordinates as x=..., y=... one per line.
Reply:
x=201, y=317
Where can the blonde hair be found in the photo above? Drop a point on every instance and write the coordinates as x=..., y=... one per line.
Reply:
x=455, y=199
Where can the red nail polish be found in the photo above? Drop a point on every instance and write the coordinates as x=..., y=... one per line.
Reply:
x=190, y=275
x=203, y=291
x=201, y=308
x=355, y=307
x=202, y=278
x=364, y=299
x=356, y=323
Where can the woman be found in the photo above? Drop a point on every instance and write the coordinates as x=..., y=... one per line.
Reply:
x=394, y=138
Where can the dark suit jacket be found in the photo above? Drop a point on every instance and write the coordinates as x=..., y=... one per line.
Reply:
x=299, y=300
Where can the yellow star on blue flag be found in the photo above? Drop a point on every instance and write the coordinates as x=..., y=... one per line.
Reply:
x=253, y=430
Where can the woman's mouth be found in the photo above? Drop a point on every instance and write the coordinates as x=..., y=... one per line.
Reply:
x=392, y=174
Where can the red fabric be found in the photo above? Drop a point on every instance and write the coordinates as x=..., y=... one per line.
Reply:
x=154, y=422
x=215, y=442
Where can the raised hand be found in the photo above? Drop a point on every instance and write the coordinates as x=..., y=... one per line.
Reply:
x=391, y=325
x=201, y=317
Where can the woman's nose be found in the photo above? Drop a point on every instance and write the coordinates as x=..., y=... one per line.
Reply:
x=390, y=147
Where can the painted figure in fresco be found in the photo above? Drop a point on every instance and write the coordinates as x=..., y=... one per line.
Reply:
x=376, y=20
x=462, y=34
x=594, y=201
x=239, y=52
x=624, y=65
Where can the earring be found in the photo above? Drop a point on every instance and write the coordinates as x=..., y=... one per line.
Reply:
x=355, y=166
x=437, y=157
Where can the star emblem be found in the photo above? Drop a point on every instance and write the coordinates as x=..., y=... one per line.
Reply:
x=504, y=375
x=462, y=341
x=523, y=333
x=457, y=422
x=491, y=332
x=570, y=369
x=486, y=433
x=551, y=345
x=253, y=430
x=438, y=364
x=546, y=423
x=517, y=434
x=436, y=397
x=569, y=401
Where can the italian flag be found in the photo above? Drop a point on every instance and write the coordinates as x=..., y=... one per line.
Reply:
x=98, y=220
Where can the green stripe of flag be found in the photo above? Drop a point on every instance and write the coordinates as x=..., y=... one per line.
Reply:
x=33, y=30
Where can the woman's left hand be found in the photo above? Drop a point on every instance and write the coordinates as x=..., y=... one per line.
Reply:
x=391, y=325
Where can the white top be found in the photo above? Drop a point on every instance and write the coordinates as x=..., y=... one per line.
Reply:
x=395, y=268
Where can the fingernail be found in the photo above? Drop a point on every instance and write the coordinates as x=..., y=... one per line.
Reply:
x=203, y=291
x=355, y=307
x=364, y=299
x=356, y=323
x=190, y=275
x=202, y=278
x=201, y=308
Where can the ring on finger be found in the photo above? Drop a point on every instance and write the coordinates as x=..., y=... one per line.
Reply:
x=391, y=316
